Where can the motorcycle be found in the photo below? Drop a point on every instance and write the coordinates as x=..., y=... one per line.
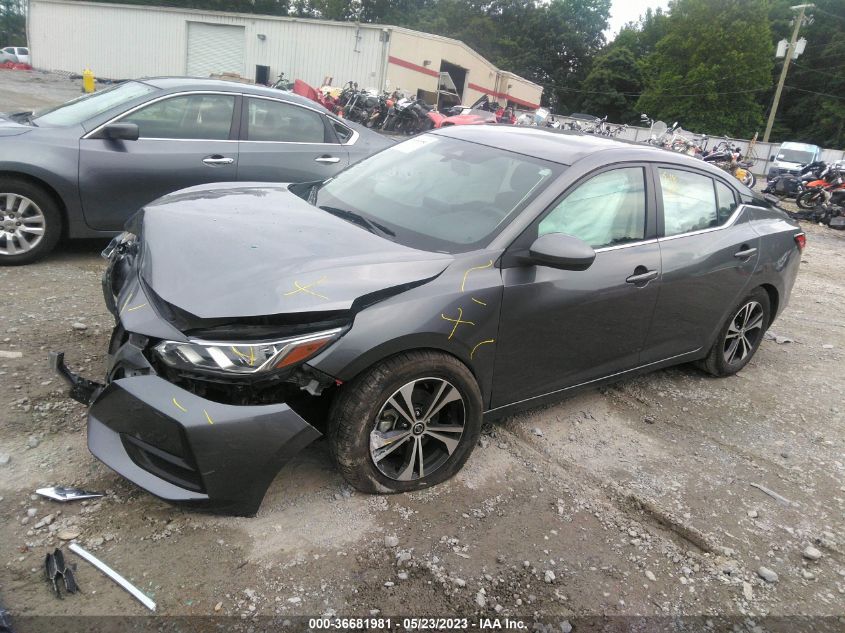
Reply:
x=729, y=158
x=282, y=83
x=829, y=189
x=786, y=185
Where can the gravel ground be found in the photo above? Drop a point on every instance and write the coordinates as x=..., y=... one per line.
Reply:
x=636, y=504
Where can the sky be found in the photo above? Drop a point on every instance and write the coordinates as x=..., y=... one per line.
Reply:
x=622, y=11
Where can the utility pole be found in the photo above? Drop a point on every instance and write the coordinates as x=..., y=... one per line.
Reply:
x=789, y=51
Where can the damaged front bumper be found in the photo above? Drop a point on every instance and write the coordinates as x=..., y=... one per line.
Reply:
x=176, y=444
x=184, y=448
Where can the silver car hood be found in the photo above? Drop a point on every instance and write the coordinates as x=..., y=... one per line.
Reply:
x=247, y=249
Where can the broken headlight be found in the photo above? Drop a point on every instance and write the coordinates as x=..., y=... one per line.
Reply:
x=244, y=358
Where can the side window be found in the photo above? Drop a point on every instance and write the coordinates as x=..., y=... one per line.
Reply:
x=606, y=210
x=343, y=132
x=726, y=201
x=689, y=201
x=198, y=116
x=269, y=120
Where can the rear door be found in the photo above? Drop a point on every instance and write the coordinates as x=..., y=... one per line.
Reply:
x=708, y=253
x=186, y=139
x=560, y=328
x=287, y=142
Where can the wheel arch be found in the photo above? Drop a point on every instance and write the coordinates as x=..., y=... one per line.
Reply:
x=418, y=342
x=42, y=184
x=774, y=301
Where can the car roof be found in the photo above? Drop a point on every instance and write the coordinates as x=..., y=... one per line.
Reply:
x=567, y=147
x=559, y=146
x=177, y=84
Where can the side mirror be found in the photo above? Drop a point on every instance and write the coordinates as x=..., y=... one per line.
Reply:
x=121, y=132
x=559, y=250
x=772, y=157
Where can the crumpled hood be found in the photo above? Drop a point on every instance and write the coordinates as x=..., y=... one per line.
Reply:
x=9, y=127
x=250, y=249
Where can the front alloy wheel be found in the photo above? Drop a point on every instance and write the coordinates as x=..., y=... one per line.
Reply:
x=409, y=422
x=30, y=223
x=417, y=429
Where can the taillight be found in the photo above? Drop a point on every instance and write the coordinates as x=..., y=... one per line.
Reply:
x=801, y=240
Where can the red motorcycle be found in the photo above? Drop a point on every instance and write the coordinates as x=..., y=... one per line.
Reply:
x=828, y=189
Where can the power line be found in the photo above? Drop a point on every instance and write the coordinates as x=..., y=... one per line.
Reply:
x=821, y=94
x=833, y=15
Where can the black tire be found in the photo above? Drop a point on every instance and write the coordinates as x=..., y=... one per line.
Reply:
x=353, y=417
x=810, y=199
x=718, y=361
x=52, y=224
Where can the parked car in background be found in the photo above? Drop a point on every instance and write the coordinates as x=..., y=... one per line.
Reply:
x=18, y=54
x=82, y=168
x=463, y=275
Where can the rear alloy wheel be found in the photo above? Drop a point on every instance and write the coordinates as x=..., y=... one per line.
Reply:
x=740, y=337
x=407, y=423
x=30, y=224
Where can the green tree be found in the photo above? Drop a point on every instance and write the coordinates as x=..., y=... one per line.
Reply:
x=612, y=86
x=710, y=68
x=12, y=23
x=615, y=81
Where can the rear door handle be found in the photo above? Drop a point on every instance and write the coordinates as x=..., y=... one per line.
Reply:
x=638, y=278
x=327, y=159
x=745, y=252
x=217, y=160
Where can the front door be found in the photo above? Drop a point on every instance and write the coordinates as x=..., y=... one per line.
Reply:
x=184, y=140
x=285, y=142
x=560, y=328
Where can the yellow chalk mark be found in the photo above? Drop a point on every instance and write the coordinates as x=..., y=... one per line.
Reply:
x=307, y=288
x=138, y=307
x=479, y=345
x=208, y=417
x=487, y=265
x=179, y=406
x=126, y=303
x=457, y=321
x=479, y=301
x=249, y=359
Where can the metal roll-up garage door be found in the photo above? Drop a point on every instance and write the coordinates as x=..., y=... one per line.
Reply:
x=215, y=49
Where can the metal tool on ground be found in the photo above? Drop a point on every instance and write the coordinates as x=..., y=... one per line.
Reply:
x=56, y=568
x=66, y=493
x=120, y=580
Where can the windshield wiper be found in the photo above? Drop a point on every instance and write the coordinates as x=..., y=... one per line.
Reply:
x=360, y=220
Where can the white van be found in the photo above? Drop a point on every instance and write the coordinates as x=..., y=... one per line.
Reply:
x=792, y=156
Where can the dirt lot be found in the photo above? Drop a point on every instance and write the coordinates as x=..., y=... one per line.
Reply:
x=634, y=505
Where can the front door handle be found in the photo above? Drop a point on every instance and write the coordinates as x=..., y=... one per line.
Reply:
x=745, y=252
x=217, y=160
x=327, y=159
x=642, y=275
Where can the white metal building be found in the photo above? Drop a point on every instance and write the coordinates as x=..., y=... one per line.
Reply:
x=127, y=41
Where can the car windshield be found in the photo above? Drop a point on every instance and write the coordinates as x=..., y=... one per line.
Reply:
x=437, y=193
x=87, y=106
x=795, y=156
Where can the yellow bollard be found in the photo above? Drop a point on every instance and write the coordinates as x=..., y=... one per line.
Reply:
x=87, y=80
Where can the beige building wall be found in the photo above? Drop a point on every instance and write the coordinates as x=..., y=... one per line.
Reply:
x=414, y=62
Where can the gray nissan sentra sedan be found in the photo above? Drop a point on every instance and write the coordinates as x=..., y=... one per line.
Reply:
x=459, y=276
x=82, y=168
